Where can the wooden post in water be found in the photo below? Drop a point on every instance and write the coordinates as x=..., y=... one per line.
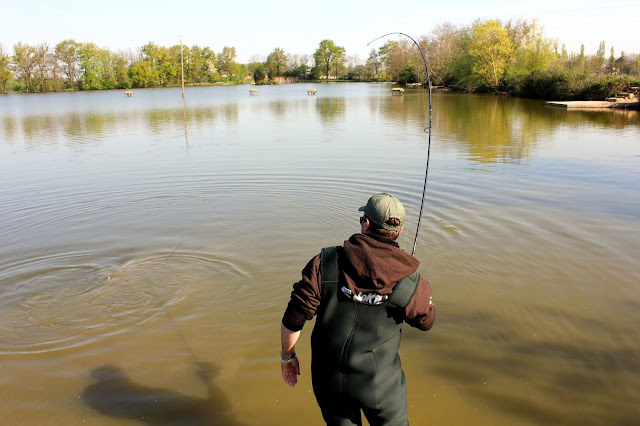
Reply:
x=182, y=66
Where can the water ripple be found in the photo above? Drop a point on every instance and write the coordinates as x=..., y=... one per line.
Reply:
x=49, y=307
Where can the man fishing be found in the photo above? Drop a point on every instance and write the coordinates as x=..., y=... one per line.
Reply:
x=361, y=292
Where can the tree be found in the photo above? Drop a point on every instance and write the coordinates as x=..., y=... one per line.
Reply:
x=396, y=55
x=5, y=70
x=227, y=61
x=23, y=59
x=440, y=48
x=408, y=75
x=374, y=64
x=581, y=59
x=66, y=53
x=462, y=62
x=599, y=59
x=276, y=63
x=208, y=64
x=612, y=61
x=537, y=50
x=158, y=58
x=90, y=66
x=43, y=65
x=490, y=48
x=328, y=56
x=258, y=70
x=141, y=75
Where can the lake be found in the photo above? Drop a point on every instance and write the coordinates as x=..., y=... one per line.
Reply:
x=149, y=246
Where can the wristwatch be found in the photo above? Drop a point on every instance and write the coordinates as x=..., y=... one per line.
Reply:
x=287, y=359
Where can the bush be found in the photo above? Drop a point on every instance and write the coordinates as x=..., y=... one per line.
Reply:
x=564, y=85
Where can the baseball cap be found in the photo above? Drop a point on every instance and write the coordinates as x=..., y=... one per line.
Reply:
x=382, y=207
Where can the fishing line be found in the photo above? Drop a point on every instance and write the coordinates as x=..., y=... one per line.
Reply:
x=174, y=250
x=426, y=130
x=165, y=310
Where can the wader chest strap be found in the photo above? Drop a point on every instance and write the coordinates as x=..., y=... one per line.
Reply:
x=329, y=265
x=404, y=290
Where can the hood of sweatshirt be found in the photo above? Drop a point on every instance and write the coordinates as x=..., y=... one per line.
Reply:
x=371, y=263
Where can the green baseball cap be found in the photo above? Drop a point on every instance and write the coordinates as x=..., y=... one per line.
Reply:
x=382, y=207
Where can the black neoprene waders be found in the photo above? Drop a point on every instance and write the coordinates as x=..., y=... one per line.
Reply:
x=355, y=363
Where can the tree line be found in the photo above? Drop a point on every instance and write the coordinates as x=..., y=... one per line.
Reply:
x=488, y=55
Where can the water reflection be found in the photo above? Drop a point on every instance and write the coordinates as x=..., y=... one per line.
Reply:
x=330, y=109
x=278, y=108
x=76, y=128
x=184, y=115
x=490, y=128
x=114, y=394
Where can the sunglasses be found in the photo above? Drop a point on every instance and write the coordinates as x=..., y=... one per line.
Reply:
x=362, y=219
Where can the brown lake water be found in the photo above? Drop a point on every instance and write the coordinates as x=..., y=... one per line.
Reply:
x=149, y=248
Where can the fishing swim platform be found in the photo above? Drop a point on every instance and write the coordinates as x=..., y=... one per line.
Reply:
x=397, y=90
x=311, y=91
x=627, y=100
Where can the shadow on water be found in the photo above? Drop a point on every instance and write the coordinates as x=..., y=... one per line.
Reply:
x=114, y=394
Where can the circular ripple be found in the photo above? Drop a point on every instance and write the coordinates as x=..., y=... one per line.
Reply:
x=57, y=303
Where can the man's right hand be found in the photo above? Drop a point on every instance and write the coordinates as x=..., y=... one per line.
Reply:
x=290, y=372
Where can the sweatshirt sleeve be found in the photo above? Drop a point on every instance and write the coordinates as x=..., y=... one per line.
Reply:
x=305, y=297
x=419, y=313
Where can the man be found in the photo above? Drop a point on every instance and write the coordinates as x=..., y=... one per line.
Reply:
x=361, y=292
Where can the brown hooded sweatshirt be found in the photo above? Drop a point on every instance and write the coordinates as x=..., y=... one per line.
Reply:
x=368, y=263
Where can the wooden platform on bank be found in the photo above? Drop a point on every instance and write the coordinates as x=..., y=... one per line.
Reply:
x=628, y=100
x=593, y=104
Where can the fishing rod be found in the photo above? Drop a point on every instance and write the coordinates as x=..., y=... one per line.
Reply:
x=426, y=130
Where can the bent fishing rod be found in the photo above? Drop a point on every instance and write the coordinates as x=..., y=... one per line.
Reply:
x=426, y=130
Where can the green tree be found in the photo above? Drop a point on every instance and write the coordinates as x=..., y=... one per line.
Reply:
x=462, y=62
x=43, y=65
x=328, y=56
x=101, y=69
x=227, y=61
x=159, y=59
x=90, y=64
x=490, y=48
x=66, y=53
x=339, y=62
x=276, y=63
x=120, y=66
x=581, y=59
x=23, y=59
x=141, y=75
x=258, y=70
x=408, y=75
x=599, y=59
x=5, y=70
x=537, y=50
x=208, y=65
x=612, y=61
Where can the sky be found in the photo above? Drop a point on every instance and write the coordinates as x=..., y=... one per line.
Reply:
x=256, y=28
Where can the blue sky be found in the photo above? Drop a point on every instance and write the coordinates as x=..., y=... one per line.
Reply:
x=255, y=28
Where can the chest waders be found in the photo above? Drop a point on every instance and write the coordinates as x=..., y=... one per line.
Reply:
x=355, y=359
